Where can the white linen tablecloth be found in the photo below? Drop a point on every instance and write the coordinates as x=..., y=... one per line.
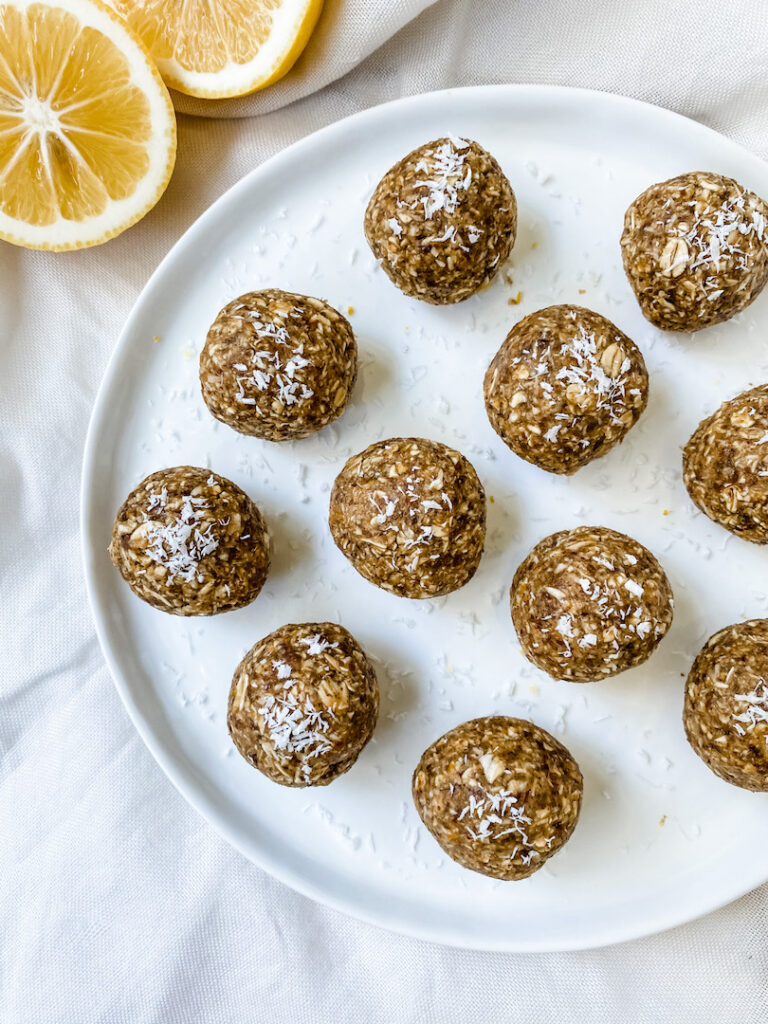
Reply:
x=119, y=904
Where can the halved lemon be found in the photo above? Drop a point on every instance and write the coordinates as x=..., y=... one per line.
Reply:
x=219, y=48
x=87, y=129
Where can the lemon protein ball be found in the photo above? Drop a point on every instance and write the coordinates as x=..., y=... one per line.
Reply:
x=190, y=542
x=565, y=387
x=725, y=465
x=695, y=250
x=500, y=795
x=303, y=704
x=726, y=704
x=442, y=220
x=409, y=514
x=278, y=366
x=589, y=603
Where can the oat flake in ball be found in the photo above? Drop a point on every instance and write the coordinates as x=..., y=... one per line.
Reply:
x=303, y=704
x=409, y=514
x=726, y=704
x=442, y=220
x=725, y=465
x=565, y=387
x=695, y=250
x=499, y=795
x=589, y=603
x=190, y=542
x=278, y=366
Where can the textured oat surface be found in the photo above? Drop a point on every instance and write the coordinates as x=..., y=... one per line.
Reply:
x=303, y=704
x=190, y=542
x=695, y=250
x=442, y=220
x=725, y=465
x=499, y=795
x=726, y=704
x=409, y=514
x=565, y=387
x=589, y=603
x=277, y=365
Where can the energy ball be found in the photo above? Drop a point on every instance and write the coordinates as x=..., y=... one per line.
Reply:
x=442, y=220
x=590, y=603
x=565, y=387
x=725, y=465
x=726, y=704
x=695, y=250
x=278, y=366
x=190, y=542
x=409, y=514
x=303, y=704
x=499, y=795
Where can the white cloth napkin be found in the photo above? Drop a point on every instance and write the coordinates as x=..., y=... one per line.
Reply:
x=117, y=903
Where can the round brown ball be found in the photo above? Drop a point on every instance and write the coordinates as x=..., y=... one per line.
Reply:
x=725, y=465
x=190, y=542
x=442, y=220
x=590, y=603
x=565, y=387
x=409, y=514
x=695, y=250
x=278, y=366
x=500, y=795
x=726, y=704
x=303, y=704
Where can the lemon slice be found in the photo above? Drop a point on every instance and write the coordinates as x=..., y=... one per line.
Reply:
x=219, y=48
x=87, y=129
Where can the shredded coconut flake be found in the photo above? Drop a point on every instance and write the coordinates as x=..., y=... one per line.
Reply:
x=317, y=644
x=295, y=727
x=180, y=545
x=588, y=640
x=634, y=588
x=272, y=367
x=756, y=709
x=585, y=371
x=565, y=626
x=395, y=226
x=448, y=177
x=495, y=809
x=712, y=237
x=157, y=499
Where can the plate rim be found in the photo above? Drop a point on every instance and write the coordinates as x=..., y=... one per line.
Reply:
x=177, y=773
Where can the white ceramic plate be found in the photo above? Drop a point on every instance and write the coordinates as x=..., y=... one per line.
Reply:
x=660, y=839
